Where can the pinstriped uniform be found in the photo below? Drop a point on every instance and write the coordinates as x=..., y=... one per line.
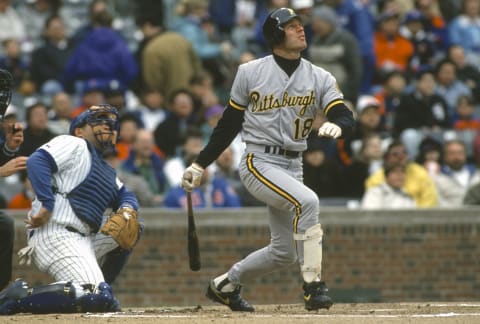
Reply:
x=64, y=254
x=279, y=112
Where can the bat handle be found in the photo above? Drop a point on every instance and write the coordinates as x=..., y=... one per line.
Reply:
x=193, y=246
x=189, y=200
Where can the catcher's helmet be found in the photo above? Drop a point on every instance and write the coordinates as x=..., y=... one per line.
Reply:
x=95, y=115
x=99, y=115
x=273, y=25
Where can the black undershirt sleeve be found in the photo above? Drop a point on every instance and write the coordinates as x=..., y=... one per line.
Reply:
x=5, y=154
x=343, y=117
x=227, y=128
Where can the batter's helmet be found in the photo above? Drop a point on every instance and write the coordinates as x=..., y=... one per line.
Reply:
x=273, y=25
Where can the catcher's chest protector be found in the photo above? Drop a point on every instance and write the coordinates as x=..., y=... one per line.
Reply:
x=94, y=195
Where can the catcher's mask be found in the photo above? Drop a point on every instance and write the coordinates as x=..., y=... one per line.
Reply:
x=99, y=115
x=6, y=83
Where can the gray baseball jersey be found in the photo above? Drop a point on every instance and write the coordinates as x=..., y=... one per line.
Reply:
x=279, y=110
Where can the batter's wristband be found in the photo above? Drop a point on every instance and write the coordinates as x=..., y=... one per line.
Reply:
x=198, y=167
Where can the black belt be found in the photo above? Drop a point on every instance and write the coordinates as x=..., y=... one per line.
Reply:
x=280, y=151
x=68, y=228
x=74, y=230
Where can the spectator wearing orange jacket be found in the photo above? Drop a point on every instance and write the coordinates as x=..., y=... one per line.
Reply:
x=23, y=199
x=393, y=51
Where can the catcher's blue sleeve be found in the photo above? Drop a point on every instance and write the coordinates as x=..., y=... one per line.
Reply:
x=126, y=198
x=40, y=167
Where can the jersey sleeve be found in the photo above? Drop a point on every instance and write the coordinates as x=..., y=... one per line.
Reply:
x=239, y=93
x=227, y=128
x=331, y=93
x=64, y=149
x=335, y=109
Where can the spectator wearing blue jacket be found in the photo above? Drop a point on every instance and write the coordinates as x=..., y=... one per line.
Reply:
x=144, y=161
x=464, y=30
x=356, y=17
x=189, y=24
x=196, y=25
x=217, y=193
x=102, y=55
x=223, y=14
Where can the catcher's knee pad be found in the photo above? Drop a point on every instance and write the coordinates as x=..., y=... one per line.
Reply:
x=312, y=252
x=101, y=299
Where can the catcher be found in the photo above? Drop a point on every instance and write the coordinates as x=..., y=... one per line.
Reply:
x=68, y=236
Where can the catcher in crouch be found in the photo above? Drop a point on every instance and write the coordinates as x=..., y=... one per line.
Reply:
x=68, y=235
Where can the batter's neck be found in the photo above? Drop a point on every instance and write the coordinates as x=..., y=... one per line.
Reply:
x=287, y=64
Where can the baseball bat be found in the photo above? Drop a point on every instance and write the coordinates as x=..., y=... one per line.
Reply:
x=6, y=84
x=193, y=246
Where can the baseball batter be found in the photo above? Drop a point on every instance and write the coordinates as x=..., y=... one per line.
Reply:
x=73, y=187
x=273, y=103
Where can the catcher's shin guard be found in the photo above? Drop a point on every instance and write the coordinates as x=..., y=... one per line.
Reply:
x=53, y=298
x=100, y=300
x=56, y=298
x=312, y=253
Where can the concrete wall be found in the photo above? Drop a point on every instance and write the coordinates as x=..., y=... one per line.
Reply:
x=413, y=255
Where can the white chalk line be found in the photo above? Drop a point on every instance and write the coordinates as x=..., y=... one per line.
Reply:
x=454, y=305
x=165, y=313
x=120, y=315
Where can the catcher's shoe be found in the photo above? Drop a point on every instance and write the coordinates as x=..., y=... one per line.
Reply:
x=10, y=296
x=230, y=299
x=15, y=290
x=315, y=296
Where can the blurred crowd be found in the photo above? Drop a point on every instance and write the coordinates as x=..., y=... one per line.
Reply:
x=409, y=70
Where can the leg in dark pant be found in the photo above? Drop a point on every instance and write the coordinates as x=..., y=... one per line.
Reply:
x=113, y=264
x=7, y=235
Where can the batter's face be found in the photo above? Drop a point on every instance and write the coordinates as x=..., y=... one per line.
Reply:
x=294, y=42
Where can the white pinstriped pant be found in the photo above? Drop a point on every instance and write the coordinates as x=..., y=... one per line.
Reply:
x=292, y=206
x=69, y=256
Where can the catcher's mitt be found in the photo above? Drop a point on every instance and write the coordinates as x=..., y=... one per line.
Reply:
x=123, y=227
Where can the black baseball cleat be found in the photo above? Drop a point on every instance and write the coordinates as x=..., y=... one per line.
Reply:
x=16, y=290
x=315, y=296
x=230, y=299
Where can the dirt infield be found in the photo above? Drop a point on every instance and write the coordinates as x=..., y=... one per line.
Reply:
x=277, y=314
